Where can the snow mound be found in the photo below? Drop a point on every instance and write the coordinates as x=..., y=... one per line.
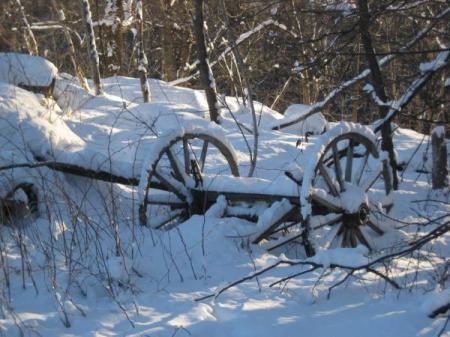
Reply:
x=314, y=124
x=106, y=134
x=435, y=300
x=349, y=257
x=25, y=125
x=28, y=70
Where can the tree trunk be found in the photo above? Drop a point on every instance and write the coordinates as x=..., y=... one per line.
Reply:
x=72, y=54
x=378, y=84
x=439, y=152
x=141, y=57
x=169, y=60
x=206, y=75
x=247, y=91
x=118, y=37
x=30, y=40
x=92, y=48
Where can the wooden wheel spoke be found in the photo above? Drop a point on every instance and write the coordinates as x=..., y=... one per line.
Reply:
x=166, y=200
x=361, y=238
x=176, y=166
x=371, y=180
x=320, y=196
x=353, y=240
x=360, y=171
x=337, y=167
x=332, y=235
x=169, y=185
x=203, y=155
x=187, y=161
x=345, y=237
x=324, y=173
x=327, y=222
x=375, y=227
x=349, y=162
x=285, y=240
x=162, y=221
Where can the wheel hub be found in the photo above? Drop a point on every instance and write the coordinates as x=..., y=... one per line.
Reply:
x=358, y=218
x=363, y=214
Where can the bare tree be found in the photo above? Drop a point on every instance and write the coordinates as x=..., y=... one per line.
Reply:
x=92, y=48
x=247, y=92
x=141, y=58
x=206, y=75
x=30, y=40
x=378, y=83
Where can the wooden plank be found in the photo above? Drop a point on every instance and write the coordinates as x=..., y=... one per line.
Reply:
x=211, y=196
x=289, y=216
x=93, y=174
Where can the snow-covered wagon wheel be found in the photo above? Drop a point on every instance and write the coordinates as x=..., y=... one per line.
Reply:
x=175, y=169
x=346, y=191
x=18, y=203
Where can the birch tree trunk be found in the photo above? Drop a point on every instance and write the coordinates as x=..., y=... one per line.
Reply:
x=30, y=40
x=141, y=57
x=92, y=48
x=204, y=69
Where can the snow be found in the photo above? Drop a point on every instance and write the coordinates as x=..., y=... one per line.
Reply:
x=438, y=131
x=274, y=213
x=435, y=300
x=24, y=69
x=438, y=62
x=349, y=257
x=91, y=261
x=352, y=198
x=315, y=124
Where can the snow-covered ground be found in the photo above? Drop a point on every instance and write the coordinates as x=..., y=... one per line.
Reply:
x=85, y=267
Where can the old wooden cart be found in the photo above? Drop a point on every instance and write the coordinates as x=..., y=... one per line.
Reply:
x=338, y=197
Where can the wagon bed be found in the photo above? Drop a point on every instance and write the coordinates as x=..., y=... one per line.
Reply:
x=181, y=164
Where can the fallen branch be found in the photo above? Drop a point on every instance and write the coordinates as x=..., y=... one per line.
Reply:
x=368, y=267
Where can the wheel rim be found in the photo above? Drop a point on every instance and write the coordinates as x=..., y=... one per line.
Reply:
x=347, y=202
x=179, y=166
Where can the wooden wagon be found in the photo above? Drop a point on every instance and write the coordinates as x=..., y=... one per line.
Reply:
x=339, y=197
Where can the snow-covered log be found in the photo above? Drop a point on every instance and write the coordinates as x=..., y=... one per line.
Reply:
x=30, y=72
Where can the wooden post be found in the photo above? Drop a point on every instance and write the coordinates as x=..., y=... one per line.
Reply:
x=439, y=151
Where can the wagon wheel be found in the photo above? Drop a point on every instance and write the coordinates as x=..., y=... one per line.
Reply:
x=21, y=201
x=344, y=201
x=176, y=170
